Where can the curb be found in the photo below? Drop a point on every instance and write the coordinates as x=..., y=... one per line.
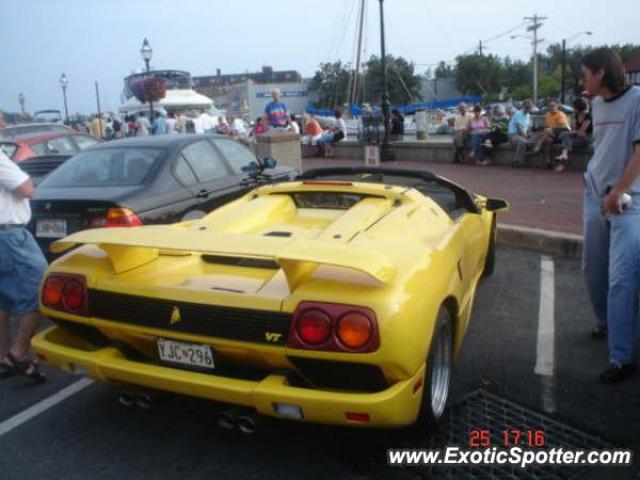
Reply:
x=544, y=241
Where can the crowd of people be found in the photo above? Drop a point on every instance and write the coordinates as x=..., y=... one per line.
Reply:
x=484, y=131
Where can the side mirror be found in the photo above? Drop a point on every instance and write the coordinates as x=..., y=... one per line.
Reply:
x=253, y=167
x=269, y=162
x=496, y=205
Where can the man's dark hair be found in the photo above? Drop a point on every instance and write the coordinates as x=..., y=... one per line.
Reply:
x=338, y=113
x=606, y=59
x=579, y=104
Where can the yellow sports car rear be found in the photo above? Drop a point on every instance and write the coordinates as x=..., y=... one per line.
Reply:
x=341, y=298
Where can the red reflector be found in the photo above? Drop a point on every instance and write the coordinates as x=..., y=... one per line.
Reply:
x=41, y=357
x=314, y=326
x=73, y=295
x=52, y=292
x=417, y=385
x=358, y=417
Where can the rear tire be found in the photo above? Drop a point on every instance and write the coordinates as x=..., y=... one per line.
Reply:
x=437, y=384
x=490, y=260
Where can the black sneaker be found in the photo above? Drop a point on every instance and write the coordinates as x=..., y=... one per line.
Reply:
x=599, y=332
x=617, y=373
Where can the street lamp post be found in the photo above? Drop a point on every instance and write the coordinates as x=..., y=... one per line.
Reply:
x=146, y=53
x=63, y=83
x=21, y=102
x=386, y=154
x=564, y=62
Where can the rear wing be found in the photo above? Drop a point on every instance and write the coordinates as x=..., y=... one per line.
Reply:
x=129, y=248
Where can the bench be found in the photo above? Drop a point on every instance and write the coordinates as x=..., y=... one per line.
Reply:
x=439, y=149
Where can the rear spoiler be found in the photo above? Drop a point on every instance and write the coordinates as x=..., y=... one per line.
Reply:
x=129, y=248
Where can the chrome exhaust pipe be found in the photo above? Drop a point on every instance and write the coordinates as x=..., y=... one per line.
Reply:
x=227, y=419
x=247, y=423
x=144, y=400
x=127, y=398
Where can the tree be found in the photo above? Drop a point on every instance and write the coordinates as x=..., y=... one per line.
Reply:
x=444, y=70
x=403, y=83
x=478, y=74
x=331, y=81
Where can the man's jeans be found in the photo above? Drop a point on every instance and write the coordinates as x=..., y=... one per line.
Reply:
x=611, y=266
x=520, y=144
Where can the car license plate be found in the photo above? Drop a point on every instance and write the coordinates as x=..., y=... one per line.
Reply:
x=190, y=355
x=51, y=228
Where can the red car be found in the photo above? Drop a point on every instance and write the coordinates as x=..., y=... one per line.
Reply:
x=21, y=147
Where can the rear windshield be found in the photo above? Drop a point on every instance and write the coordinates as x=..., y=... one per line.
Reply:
x=108, y=167
x=9, y=149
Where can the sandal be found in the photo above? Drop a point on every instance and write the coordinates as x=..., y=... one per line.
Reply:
x=6, y=370
x=27, y=368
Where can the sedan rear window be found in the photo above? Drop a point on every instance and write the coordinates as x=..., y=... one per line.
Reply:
x=104, y=167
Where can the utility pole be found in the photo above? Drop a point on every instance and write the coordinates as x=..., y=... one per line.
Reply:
x=386, y=153
x=534, y=28
x=480, y=47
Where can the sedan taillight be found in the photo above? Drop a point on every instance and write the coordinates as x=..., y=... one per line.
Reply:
x=116, y=217
x=66, y=293
x=334, y=327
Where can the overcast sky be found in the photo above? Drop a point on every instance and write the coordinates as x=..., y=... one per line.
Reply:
x=100, y=40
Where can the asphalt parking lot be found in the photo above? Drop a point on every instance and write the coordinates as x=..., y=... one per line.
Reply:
x=90, y=435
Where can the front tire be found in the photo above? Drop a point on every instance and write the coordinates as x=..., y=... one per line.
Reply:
x=438, y=372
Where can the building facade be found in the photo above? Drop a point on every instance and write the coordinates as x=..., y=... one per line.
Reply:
x=249, y=99
x=633, y=68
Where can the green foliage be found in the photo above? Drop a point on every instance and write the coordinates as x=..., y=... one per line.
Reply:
x=443, y=70
x=478, y=74
x=331, y=81
x=403, y=83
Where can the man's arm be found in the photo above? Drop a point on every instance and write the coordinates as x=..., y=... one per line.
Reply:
x=25, y=189
x=611, y=202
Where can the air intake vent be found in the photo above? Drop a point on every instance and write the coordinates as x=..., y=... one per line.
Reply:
x=241, y=262
x=278, y=234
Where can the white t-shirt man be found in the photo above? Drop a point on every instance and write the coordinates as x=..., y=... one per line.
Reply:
x=171, y=125
x=13, y=209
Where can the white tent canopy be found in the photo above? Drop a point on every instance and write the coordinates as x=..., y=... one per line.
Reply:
x=173, y=100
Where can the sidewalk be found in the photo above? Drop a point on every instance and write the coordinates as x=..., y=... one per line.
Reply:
x=540, y=199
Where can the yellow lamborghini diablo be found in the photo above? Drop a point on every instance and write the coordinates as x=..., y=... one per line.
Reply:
x=339, y=298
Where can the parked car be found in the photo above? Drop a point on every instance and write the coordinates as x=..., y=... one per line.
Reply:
x=340, y=298
x=31, y=128
x=39, y=167
x=145, y=180
x=50, y=143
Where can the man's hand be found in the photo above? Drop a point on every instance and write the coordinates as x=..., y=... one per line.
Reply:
x=612, y=203
x=26, y=189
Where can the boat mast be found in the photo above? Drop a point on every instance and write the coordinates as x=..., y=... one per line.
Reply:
x=356, y=73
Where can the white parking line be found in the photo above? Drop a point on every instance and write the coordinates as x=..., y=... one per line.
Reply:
x=545, y=354
x=43, y=406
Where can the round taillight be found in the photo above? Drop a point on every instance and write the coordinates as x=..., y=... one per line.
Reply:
x=354, y=330
x=52, y=292
x=314, y=326
x=73, y=295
